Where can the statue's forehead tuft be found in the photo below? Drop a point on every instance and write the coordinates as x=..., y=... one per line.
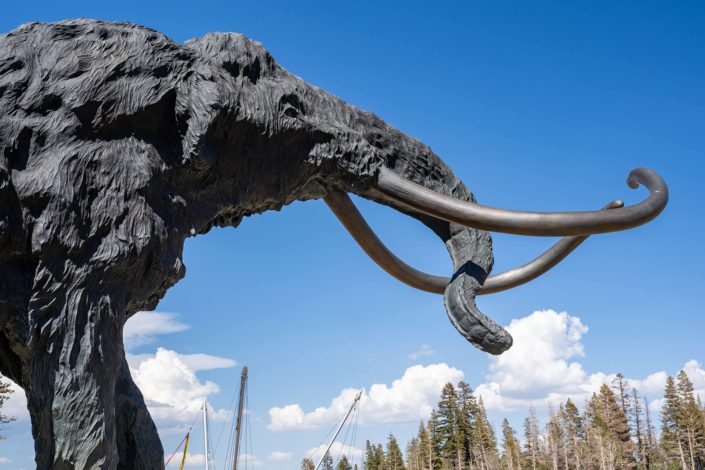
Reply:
x=232, y=48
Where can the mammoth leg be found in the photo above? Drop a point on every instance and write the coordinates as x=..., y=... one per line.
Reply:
x=82, y=402
x=138, y=442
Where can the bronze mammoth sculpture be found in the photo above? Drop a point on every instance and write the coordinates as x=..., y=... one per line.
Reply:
x=117, y=144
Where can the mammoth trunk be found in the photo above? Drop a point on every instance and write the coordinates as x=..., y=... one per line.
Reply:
x=471, y=252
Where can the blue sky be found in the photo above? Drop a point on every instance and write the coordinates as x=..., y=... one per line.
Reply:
x=536, y=106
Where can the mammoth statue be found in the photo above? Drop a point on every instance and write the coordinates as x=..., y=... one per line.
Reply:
x=116, y=144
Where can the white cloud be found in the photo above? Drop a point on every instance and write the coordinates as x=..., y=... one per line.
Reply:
x=538, y=367
x=171, y=389
x=543, y=343
x=277, y=456
x=543, y=367
x=408, y=399
x=249, y=460
x=697, y=375
x=425, y=351
x=143, y=327
x=336, y=449
x=5, y=461
x=192, y=460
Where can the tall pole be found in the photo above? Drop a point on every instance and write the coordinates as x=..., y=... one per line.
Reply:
x=238, y=424
x=205, y=430
x=337, y=431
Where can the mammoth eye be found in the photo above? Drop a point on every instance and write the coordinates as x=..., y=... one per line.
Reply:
x=291, y=111
x=291, y=106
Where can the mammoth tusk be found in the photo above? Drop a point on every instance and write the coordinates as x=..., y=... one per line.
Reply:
x=345, y=210
x=535, y=268
x=421, y=199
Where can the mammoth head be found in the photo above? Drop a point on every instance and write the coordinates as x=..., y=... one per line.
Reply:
x=218, y=125
x=345, y=149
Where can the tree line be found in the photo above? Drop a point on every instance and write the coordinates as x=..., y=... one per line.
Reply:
x=614, y=430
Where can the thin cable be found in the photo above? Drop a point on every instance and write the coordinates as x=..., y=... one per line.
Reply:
x=222, y=428
x=184, y=439
x=230, y=449
x=353, y=425
x=342, y=446
x=354, y=436
x=177, y=448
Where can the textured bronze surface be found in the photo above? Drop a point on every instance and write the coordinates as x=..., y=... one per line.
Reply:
x=117, y=144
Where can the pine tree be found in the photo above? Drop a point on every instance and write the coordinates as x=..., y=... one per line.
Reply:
x=531, y=440
x=412, y=454
x=394, y=459
x=511, y=458
x=636, y=418
x=447, y=427
x=379, y=457
x=466, y=407
x=621, y=392
x=650, y=442
x=5, y=392
x=574, y=431
x=671, y=442
x=343, y=464
x=602, y=445
x=483, y=438
x=620, y=448
x=307, y=464
x=434, y=454
x=554, y=440
x=369, y=462
x=327, y=463
x=690, y=421
x=423, y=449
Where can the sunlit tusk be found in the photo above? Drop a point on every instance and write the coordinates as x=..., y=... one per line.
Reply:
x=421, y=199
x=535, y=268
x=345, y=210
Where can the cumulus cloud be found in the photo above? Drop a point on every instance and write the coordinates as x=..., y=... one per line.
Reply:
x=425, y=351
x=408, y=399
x=543, y=367
x=143, y=327
x=336, y=449
x=171, y=389
x=277, y=456
x=539, y=366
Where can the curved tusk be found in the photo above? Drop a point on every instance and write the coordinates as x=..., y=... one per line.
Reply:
x=535, y=268
x=345, y=210
x=421, y=199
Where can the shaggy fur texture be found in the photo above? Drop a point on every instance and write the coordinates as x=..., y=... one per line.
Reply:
x=116, y=144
